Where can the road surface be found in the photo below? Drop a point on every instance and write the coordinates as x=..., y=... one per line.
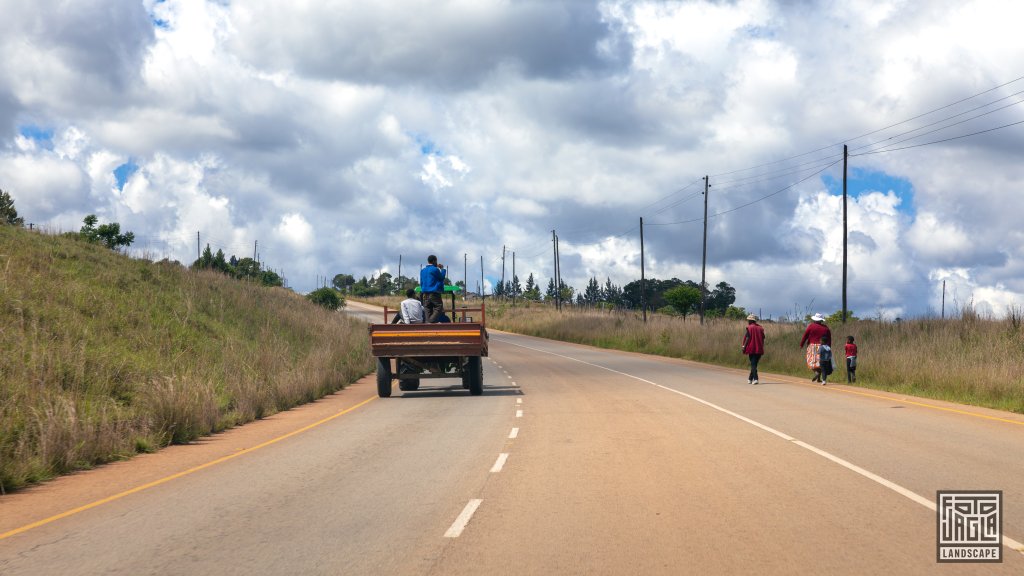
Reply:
x=574, y=461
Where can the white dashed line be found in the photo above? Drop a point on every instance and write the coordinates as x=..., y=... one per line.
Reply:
x=514, y=433
x=460, y=523
x=500, y=462
x=519, y=413
x=519, y=400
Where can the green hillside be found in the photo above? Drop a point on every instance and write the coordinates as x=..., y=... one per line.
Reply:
x=105, y=356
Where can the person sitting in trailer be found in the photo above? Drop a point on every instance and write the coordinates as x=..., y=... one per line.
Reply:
x=411, y=310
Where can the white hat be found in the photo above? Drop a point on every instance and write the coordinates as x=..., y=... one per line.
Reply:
x=752, y=317
x=817, y=317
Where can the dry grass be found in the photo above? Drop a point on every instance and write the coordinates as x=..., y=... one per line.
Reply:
x=105, y=356
x=968, y=359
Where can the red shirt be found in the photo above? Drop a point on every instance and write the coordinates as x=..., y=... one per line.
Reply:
x=813, y=334
x=851, y=349
x=753, y=339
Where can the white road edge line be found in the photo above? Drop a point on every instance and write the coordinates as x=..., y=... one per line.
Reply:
x=513, y=434
x=460, y=523
x=499, y=463
x=1007, y=541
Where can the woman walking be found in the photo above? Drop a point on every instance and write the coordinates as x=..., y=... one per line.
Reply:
x=812, y=339
x=753, y=346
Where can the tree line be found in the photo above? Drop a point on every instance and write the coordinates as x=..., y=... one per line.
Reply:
x=672, y=296
x=242, y=269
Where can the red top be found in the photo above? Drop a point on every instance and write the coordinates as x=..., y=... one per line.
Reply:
x=813, y=334
x=753, y=339
x=851, y=349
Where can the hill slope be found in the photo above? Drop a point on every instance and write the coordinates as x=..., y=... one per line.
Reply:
x=105, y=356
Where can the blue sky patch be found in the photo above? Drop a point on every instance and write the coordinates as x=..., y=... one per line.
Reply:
x=123, y=172
x=157, y=22
x=861, y=181
x=427, y=146
x=42, y=136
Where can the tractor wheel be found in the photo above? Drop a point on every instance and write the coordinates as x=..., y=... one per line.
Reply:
x=474, y=376
x=384, y=377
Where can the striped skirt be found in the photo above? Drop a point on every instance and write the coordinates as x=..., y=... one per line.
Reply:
x=813, y=361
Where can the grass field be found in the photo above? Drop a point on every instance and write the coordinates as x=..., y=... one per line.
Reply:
x=105, y=356
x=966, y=359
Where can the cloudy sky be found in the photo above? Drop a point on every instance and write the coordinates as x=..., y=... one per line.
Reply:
x=341, y=134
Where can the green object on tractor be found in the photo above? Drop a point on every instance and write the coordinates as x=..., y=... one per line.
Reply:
x=449, y=288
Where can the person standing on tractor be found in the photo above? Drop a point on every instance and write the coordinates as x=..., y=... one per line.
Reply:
x=432, y=288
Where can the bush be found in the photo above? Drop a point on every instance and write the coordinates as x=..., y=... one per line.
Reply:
x=327, y=297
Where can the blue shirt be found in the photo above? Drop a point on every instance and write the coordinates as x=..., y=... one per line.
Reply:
x=432, y=279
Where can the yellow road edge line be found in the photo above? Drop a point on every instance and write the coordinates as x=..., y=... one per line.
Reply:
x=177, y=475
x=424, y=334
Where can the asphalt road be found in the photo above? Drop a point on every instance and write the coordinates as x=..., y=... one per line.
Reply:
x=574, y=461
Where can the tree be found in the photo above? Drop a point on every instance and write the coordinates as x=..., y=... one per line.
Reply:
x=592, y=294
x=683, y=298
x=532, y=291
x=837, y=317
x=327, y=297
x=735, y=313
x=107, y=234
x=550, y=294
x=721, y=298
x=8, y=215
x=343, y=282
x=611, y=293
x=566, y=292
x=384, y=284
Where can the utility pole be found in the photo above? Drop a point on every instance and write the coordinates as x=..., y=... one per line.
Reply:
x=845, y=156
x=704, y=260
x=503, y=272
x=255, y=255
x=943, y=299
x=402, y=284
x=198, y=256
x=513, y=279
x=554, y=261
x=483, y=287
x=643, y=281
x=558, y=272
x=465, y=276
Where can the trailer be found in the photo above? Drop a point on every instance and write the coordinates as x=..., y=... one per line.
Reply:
x=410, y=353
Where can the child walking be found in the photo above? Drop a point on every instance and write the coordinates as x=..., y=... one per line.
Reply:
x=825, y=359
x=851, y=360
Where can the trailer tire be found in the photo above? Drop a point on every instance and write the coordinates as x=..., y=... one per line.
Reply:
x=384, y=377
x=474, y=376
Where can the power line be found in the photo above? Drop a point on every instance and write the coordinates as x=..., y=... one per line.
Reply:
x=940, y=141
x=762, y=198
x=866, y=134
